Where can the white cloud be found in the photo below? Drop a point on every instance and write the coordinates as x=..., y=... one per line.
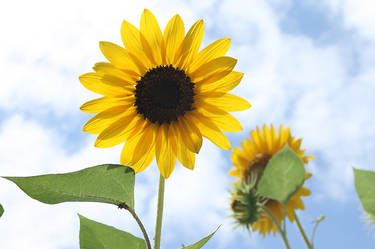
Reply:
x=357, y=14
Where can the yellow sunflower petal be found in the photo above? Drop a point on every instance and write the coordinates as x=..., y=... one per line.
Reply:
x=222, y=119
x=190, y=134
x=262, y=139
x=241, y=157
x=119, y=131
x=224, y=84
x=304, y=191
x=107, y=68
x=227, y=102
x=210, y=131
x=296, y=144
x=248, y=148
x=212, y=51
x=106, y=85
x=256, y=226
x=101, y=104
x=139, y=145
x=308, y=175
x=256, y=140
x=268, y=138
x=165, y=157
x=191, y=44
x=275, y=140
x=222, y=65
x=151, y=32
x=284, y=135
x=234, y=172
x=135, y=43
x=143, y=162
x=173, y=36
x=184, y=155
x=100, y=122
x=119, y=57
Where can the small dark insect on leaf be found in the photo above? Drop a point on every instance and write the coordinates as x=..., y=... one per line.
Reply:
x=123, y=205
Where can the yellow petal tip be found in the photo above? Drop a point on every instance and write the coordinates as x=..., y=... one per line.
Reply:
x=98, y=143
x=249, y=105
x=83, y=76
x=101, y=44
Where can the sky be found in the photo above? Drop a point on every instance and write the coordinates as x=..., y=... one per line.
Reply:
x=308, y=64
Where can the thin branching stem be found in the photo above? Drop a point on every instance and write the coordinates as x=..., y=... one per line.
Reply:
x=300, y=228
x=278, y=226
x=135, y=216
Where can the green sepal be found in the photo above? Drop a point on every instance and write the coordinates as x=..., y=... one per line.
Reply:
x=108, y=183
x=283, y=176
x=1, y=210
x=364, y=181
x=245, y=202
x=202, y=242
x=95, y=235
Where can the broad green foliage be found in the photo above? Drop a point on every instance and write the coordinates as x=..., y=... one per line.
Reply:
x=283, y=176
x=200, y=243
x=108, y=183
x=365, y=185
x=95, y=235
x=1, y=210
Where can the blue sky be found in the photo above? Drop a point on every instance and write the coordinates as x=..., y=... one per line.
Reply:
x=308, y=64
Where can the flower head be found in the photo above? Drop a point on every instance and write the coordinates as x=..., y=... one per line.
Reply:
x=253, y=157
x=161, y=95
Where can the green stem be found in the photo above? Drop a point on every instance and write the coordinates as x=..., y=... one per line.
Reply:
x=135, y=216
x=300, y=228
x=278, y=226
x=284, y=215
x=159, y=214
x=317, y=222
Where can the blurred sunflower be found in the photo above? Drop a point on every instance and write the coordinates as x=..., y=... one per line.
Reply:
x=161, y=94
x=254, y=156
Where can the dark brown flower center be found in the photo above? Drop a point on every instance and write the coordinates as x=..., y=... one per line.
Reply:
x=163, y=94
x=256, y=166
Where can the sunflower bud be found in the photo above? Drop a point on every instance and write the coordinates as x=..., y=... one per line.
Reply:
x=245, y=202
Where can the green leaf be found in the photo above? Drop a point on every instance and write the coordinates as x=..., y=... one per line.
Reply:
x=283, y=176
x=364, y=181
x=95, y=235
x=1, y=210
x=108, y=183
x=201, y=243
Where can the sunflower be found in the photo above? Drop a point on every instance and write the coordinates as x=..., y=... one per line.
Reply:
x=258, y=151
x=161, y=95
